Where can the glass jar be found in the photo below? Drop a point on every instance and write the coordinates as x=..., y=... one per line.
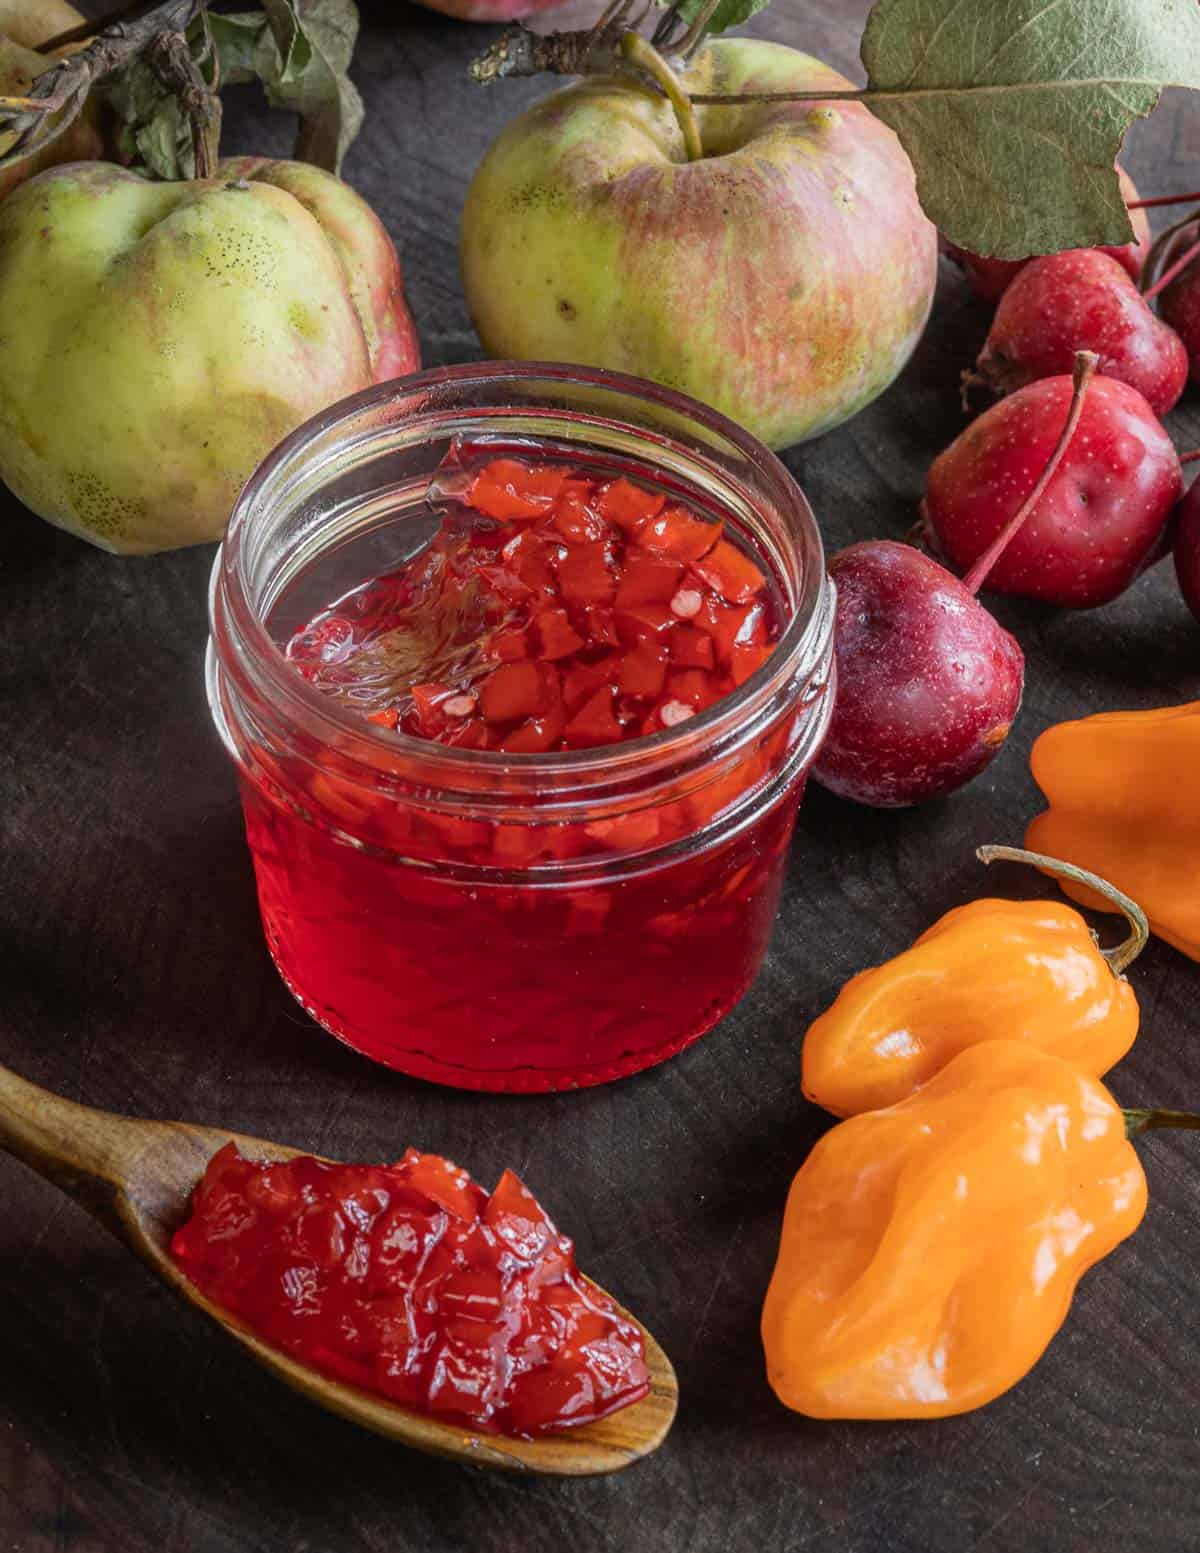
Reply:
x=492, y=921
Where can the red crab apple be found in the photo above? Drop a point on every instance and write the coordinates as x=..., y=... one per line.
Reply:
x=1102, y=517
x=991, y=278
x=784, y=276
x=928, y=682
x=1179, y=302
x=1081, y=300
x=158, y=339
x=1187, y=549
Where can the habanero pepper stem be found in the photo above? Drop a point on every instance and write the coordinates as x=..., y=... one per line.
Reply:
x=1086, y=363
x=1124, y=954
x=1138, y=1121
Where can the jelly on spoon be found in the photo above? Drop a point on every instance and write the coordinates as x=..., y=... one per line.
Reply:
x=137, y=1178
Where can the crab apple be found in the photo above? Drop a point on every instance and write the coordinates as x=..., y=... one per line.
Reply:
x=1179, y=303
x=991, y=278
x=159, y=339
x=929, y=683
x=1101, y=518
x=784, y=277
x=24, y=25
x=1187, y=548
x=1081, y=300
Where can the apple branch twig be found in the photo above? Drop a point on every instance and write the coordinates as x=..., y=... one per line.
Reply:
x=59, y=93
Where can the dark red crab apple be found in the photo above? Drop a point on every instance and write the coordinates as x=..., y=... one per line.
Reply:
x=991, y=278
x=1102, y=517
x=1081, y=300
x=929, y=683
x=1187, y=549
x=1179, y=303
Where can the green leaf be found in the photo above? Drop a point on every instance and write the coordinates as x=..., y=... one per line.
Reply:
x=730, y=13
x=1013, y=111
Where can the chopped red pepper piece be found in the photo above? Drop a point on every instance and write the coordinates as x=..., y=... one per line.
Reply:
x=585, y=575
x=595, y=722
x=678, y=534
x=731, y=572
x=648, y=579
x=506, y=489
x=628, y=505
x=515, y=690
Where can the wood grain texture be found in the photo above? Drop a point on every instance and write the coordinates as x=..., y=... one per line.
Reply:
x=134, y=977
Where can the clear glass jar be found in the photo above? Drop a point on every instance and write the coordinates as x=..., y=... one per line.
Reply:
x=510, y=922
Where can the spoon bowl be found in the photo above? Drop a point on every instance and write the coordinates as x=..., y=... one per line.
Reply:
x=137, y=1177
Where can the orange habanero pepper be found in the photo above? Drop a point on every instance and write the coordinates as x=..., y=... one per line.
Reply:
x=1124, y=794
x=1023, y=970
x=930, y=1251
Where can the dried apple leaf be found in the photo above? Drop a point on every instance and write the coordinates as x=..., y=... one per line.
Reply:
x=1013, y=111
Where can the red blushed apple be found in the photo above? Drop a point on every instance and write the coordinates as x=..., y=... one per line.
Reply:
x=784, y=277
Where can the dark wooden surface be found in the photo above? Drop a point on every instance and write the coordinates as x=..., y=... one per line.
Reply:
x=133, y=976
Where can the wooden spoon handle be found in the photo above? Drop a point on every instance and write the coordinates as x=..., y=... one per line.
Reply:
x=87, y=1153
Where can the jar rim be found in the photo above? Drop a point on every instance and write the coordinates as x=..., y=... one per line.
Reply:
x=230, y=604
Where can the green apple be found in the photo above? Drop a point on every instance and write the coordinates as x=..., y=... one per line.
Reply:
x=158, y=339
x=785, y=277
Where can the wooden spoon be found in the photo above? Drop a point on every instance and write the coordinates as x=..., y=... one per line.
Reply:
x=136, y=1178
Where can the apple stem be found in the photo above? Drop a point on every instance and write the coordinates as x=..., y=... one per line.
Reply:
x=171, y=59
x=644, y=56
x=1122, y=956
x=1173, y=271
x=1189, y=458
x=1160, y=200
x=1086, y=363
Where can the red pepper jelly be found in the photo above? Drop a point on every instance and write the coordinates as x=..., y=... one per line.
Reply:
x=411, y=1281
x=519, y=799
x=550, y=612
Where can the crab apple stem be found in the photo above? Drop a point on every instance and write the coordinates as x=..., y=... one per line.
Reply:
x=646, y=57
x=1189, y=458
x=1174, y=270
x=1086, y=363
x=1124, y=954
x=1160, y=200
x=1139, y=1121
